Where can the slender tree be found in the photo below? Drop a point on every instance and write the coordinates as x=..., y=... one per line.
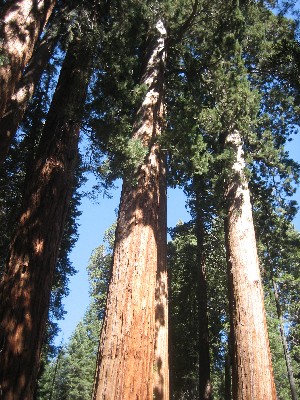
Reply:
x=22, y=21
x=26, y=283
x=205, y=388
x=134, y=335
x=285, y=345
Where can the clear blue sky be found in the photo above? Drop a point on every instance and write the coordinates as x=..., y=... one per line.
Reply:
x=95, y=219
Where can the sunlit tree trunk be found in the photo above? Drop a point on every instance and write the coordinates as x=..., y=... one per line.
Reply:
x=21, y=24
x=26, y=284
x=133, y=357
x=17, y=105
x=252, y=374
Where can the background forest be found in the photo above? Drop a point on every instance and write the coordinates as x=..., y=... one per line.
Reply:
x=230, y=90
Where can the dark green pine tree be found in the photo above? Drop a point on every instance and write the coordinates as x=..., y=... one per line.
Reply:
x=184, y=310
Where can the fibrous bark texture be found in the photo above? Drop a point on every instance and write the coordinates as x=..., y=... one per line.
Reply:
x=16, y=106
x=26, y=284
x=252, y=372
x=133, y=356
x=21, y=24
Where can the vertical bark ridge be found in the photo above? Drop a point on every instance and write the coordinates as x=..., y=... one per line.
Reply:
x=132, y=359
x=16, y=106
x=22, y=23
x=252, y=367
x=26, y=283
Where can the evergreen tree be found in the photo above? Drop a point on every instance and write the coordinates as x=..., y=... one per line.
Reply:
x=230, y=85
x=140, y=260
x=34, y=248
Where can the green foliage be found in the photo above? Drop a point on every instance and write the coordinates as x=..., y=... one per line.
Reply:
x=70, y=375
x=278, y=359
x=231, y=66
x=183, y=309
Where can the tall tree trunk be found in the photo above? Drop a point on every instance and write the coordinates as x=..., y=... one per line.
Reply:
x=26, y=284
x=285, y=345
x=17, y=105
x=251, y=360
x=205, y=388
x=133, y=357
x=21, y=24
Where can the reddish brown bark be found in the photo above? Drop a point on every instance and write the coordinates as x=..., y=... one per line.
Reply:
x=17, y=105
x=26, y=284
x=252, y=374
x=22, y=23
x=133, y=357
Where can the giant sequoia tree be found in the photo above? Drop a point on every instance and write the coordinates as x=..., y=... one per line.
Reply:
x=231, y=91
x=252, y=367
x=27, y=279
x=134, y=335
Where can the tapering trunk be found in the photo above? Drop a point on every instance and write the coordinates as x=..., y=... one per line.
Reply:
x=22, y=23
x=205, y=388
x=287, y=357
x=252, y=374
x=17, y=105
x=133, y=357
x=26, y=284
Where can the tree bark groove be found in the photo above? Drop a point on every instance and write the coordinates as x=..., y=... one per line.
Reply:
x=22, y=23
x=252, y=371
x=26, y=284
x=133, y=356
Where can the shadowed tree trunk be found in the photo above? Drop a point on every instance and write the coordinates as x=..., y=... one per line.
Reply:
x=26, y=283
x=133, y=356
x=285, y=347
x=205, y=389
x=21, y=24
x=227, y=390
x=252, y=373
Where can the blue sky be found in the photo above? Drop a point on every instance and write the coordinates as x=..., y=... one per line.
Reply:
x=95, y=219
